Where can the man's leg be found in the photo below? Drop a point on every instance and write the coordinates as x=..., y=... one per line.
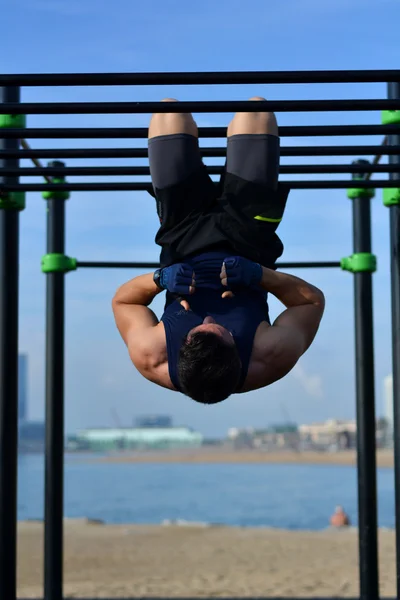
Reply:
x=180, y=182
x=253, y=147
x=172, y=123
x=252, y=198
x=182, y=187
x=173, y=147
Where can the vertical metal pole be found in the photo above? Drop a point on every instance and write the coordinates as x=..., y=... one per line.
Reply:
x=365, y=393
x=394, y=217
x=9, y=275
x=54, y=470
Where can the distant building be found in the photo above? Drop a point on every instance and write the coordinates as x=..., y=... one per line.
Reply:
x=275, y=437
x=148, y=421
x=152, y=438
x=388, y=400
x=22, y=388
x=335, y=434
x=31, y=436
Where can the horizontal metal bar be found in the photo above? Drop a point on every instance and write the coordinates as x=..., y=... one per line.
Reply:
x=201, y=78
x=205, y=152
x=146, y=186
x=214, y=106
x=212, y=170
x=204, y=132
x=155, y=265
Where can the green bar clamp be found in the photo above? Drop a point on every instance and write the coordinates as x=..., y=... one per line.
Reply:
x=391, y=196
x=390, y=117
x=363, y=262
x=12, y=200
x=55, y=194
x=12, y=121
x=58, y=263
x=354, y=193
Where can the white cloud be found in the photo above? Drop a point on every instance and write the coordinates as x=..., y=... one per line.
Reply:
x=312, y=384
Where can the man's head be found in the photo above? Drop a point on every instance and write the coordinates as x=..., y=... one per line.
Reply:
x=209, y=365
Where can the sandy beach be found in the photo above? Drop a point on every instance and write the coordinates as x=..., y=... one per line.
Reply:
x=108, y=561
x=384, y=458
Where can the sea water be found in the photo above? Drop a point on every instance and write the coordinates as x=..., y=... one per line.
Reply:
x=256, y=495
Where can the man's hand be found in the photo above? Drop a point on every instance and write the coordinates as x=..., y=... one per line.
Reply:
x=178, y=279
x=240, y=273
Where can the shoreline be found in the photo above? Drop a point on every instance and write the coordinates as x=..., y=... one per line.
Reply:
x=182, y=524
x=384, y=458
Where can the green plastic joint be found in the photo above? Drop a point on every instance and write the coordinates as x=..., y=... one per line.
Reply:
x=390, y=117
x=357, y=192
x=363, y=262
x=55, y=194
x=354, y=193
x=58, y=263
x=391, y=197
x=12, y=121
x=12, y=200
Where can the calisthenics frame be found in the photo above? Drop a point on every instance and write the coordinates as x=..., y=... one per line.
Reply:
x=361, y=263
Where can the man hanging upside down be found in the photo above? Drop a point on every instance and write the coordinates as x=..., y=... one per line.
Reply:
x=218, y=252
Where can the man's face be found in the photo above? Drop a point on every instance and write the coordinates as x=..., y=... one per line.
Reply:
x=209, y=324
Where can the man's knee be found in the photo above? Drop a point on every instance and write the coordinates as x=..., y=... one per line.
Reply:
x=258, y=98
x=256, y=122
x=172, y=123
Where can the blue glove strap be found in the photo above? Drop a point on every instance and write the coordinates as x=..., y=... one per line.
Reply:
x=256, y=273
x=164, y=277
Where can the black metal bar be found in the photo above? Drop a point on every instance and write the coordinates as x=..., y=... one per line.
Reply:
x=9, y=288
x=201, y=78
x=365, y=394
x=54, y=474
x=212, y=170
x=204, y=132
x=394, y=92
x=214, y=106
x=146, y=186
x=216, y=152
x=155, y=265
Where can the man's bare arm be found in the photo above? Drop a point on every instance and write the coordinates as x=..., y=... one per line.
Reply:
x=304, y=303
x=279, y=347
x=289, y=289
x=140, y=329
x=130, y=305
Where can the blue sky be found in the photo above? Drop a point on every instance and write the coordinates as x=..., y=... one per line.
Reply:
x=87, y=36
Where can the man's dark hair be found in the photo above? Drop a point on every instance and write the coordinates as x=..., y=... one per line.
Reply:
x=208, y=367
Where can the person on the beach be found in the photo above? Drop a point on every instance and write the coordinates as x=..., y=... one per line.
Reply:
x=218, y=252
x=339, y=518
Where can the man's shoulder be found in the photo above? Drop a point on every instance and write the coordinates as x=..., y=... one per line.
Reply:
x=148, y=346
x=148, y=352
x=271, y=358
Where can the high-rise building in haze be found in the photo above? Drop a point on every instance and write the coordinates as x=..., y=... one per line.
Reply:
x=388, y=400
x=22, y=388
